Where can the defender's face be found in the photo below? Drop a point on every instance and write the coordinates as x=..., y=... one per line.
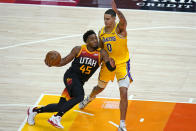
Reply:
x=92, y=41
x=109, y=20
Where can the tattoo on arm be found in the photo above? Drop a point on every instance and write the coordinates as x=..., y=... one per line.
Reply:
x=123, y=21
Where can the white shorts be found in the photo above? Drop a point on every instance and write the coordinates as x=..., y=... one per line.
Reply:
x=122, y=83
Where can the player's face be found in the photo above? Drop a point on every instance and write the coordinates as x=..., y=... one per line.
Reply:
x=109, y=20
x=92, y=41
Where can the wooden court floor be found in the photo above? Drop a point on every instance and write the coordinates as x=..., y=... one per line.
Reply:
x=162, y=49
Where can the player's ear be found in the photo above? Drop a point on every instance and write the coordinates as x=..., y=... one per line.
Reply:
x=87, y=41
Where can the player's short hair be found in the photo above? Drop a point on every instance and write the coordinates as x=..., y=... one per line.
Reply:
x=86, y=35
x=111, y=12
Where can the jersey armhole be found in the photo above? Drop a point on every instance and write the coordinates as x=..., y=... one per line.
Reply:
x=122, y=37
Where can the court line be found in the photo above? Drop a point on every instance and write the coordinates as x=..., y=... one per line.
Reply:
x=130, y=98
x=22, y=32
x=7, y=105
x=36, y=103
x=35, y=42
x=77, y=35
x=190, y=100
x=142, y=120
x=84, y=112
x=114, y=124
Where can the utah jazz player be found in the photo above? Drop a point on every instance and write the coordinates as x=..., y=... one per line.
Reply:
x=87, y=59
x=113, y=38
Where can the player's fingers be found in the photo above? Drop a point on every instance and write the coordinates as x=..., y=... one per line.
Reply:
x=49, y=63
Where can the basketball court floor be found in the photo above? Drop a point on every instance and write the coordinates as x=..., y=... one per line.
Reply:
x=162, y=49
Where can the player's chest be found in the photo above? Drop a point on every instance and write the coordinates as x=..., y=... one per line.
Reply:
x=109, y=39
x=88, y=61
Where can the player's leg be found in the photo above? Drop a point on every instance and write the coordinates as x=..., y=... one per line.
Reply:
x=123, y=84
x=76, y=93
x=124, y=78
x=123, y=107
x=32, y=112
x=104, y=77
x=96, y=90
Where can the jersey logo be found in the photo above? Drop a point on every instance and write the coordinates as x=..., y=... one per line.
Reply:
x=88, y=61
x=108, y=39
x=86, y=69
x=69, y=81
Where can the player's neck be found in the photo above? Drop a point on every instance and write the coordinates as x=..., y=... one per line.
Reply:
x=90, y=49
x=109, y=29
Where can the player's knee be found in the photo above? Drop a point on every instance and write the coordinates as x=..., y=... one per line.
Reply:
x=99, y=88
x=101, y=84
x=62, y=101
x=123, y=97
x=123, y=93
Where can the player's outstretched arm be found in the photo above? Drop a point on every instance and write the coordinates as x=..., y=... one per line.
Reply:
x=70, y=56
x=110, y=63
x=123, y=22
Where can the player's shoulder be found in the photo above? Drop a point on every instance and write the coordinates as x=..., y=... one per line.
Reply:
x=76, y=49
x=101, y=31
x=120, y=32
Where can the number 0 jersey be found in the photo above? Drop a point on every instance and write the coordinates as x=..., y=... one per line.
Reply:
x=115, y=45
x=85, y=63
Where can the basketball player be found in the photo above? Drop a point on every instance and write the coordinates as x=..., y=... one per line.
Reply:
x=87, y=59
x=113, y=38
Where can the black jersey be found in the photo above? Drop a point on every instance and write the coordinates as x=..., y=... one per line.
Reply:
x=85, y=63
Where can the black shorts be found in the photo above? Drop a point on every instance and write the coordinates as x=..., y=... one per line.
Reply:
x=73, y=85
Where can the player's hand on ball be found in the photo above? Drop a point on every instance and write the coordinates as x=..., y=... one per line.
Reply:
x=112, y=62
x=47, y=62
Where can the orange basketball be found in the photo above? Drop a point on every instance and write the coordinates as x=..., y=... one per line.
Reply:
x=53, y=58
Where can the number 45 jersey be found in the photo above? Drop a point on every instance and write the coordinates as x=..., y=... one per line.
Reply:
x=85, y=63
x=115, y=45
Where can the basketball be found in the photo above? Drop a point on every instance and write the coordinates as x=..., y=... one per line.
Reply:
x=53, y=58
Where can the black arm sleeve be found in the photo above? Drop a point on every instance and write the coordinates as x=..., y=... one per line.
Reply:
x=110, y=68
